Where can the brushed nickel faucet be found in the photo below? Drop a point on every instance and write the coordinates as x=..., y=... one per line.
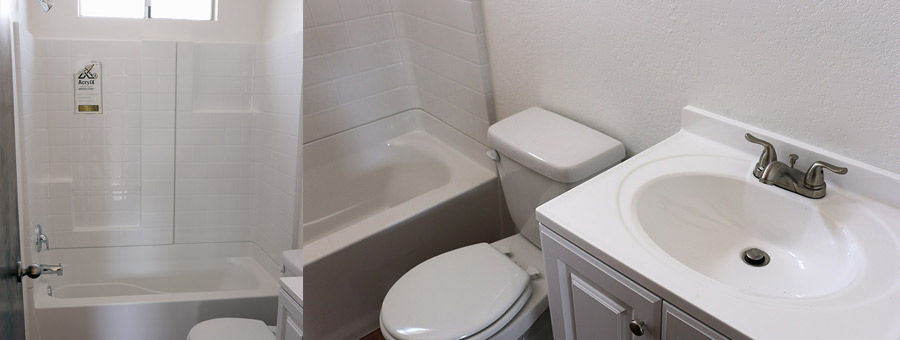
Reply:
x=772, y=172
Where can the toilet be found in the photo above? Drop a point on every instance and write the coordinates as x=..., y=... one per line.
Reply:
x=499, y=290
x=243, y=329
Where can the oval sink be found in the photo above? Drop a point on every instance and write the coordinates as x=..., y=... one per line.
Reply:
x=706, y=217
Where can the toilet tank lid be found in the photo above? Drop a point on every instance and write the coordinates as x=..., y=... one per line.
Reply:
x=555, y=146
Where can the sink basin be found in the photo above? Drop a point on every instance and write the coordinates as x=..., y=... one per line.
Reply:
x=705, y=212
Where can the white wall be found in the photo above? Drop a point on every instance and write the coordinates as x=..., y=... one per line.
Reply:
x=237, y=21
x=822, y=72
x=282, y=18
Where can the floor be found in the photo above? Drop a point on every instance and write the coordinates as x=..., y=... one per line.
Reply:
x=375, y=335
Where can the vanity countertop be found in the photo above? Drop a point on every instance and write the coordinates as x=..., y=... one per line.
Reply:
x=294, y=287
x=598, y=216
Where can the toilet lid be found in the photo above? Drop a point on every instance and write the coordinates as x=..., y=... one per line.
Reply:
x=231, y=329
x=453, y=295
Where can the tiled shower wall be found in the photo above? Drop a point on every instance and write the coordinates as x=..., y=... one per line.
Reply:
x=277, y=84
x=32, y=106
x=214, y=196
x=369, y=59
x=446, y=44
x=109, y=176
x=110, y=179
x=356, y=68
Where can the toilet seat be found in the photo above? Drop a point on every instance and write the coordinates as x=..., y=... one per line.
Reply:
x=231, y=329
x=491, y=330
x=467, y=293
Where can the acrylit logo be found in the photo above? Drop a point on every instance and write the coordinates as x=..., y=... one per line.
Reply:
x=87, y=74
x=86, y=82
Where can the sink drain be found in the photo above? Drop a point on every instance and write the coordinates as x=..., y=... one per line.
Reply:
x=755, y=257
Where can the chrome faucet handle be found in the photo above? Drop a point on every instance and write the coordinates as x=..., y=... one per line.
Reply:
x=815, y=178
x=41, y=240
x=768, y=155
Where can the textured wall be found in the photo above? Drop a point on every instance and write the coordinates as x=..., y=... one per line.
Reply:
x=823, y=72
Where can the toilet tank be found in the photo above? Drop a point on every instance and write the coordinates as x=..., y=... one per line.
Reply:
x=543, y=154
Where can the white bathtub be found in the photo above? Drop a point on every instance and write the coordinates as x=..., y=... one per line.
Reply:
x=379, y=199
x=153, y=292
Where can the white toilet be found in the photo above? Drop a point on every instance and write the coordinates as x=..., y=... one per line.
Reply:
x=246, y=329
x=499, y=291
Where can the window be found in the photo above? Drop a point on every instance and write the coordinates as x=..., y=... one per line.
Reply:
x=151, y=9
x=112, y=8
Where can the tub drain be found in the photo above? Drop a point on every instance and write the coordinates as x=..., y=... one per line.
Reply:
x=755, y=257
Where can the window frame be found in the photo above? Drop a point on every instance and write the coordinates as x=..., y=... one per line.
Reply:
x=148, y=12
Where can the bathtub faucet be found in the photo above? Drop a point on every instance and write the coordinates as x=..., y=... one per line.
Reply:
x=35, y=270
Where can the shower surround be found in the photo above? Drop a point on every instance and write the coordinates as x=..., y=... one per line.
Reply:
x=196, y=153
x=227, y=163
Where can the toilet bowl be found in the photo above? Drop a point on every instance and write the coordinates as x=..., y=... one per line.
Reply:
x=499, y=290
x=244, y=329
x=231, y=329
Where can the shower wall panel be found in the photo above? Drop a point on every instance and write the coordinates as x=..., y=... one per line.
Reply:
x=366, y=60
x=34, y=164
x=109, y=177
x=355, y=66
x=445, y=40
x=128, y=176
x=277, y=85
x=214, y=185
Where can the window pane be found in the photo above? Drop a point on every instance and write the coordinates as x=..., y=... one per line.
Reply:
x=112, y=8
x=181, y=9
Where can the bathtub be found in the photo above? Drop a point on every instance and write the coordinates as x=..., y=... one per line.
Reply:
x=379, y=199
x=153, y=292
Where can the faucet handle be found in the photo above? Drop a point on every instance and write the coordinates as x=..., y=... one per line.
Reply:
x=768, y=155
x=815, y=178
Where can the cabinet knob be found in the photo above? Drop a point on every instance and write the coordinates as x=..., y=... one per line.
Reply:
x=636, y=327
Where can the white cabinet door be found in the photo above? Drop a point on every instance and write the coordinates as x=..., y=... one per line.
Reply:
x=678, y=325
x=590, y=300
x=290, y=318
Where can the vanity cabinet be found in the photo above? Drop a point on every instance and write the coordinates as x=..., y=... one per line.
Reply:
x=591, y=300
x=290, y=318
x=678, y=325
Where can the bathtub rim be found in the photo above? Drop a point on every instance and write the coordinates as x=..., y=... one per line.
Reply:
x=482, y=172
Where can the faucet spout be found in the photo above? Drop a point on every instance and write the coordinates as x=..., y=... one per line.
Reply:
x=773, y=173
